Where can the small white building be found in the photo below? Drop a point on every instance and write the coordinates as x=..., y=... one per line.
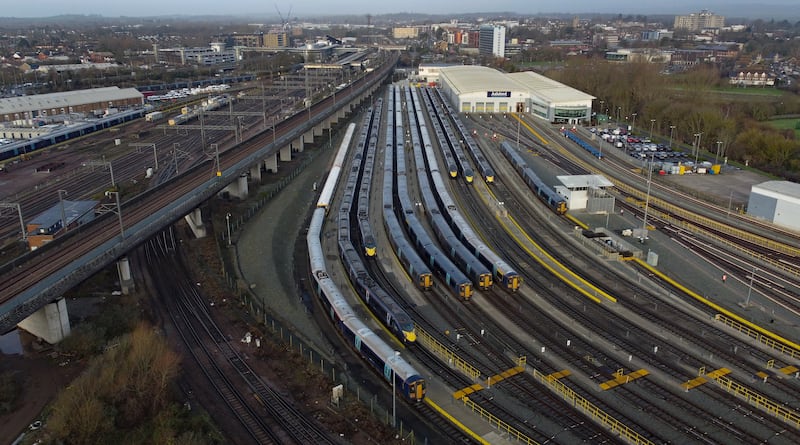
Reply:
x=589, y=192
x=777, y=202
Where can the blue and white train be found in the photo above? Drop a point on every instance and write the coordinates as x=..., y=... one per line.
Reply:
x=542, y=190
x=395, y=370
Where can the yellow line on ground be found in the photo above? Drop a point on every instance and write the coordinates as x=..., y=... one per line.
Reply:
x=717, y=307
x=580, y=223
x=535, y=133
x=456, y=422
x=547, y=266
x=566, y=269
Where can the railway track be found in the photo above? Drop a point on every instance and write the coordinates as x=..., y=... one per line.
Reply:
x=266, y=415
x=24, y=272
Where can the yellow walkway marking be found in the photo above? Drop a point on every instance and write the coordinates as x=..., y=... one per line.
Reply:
x=789, y=369
x=621, y=379
x=497, y=378
x=697, y=381
x=461, y=393
x=558, y=375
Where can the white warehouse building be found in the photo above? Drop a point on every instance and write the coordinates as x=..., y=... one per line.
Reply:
x=478, y=89
x=777, y=202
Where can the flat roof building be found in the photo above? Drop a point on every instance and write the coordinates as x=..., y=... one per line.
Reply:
x=777, y=202
x=492, y=40
x=79, y=101
x=49, y=224
x=478, y=89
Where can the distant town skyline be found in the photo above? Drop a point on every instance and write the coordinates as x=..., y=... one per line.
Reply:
x=778, y=9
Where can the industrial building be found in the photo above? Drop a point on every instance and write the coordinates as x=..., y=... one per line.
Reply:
x=478, y=89
x=777, y=202
x=91, y=101
x=586, y=192
x=49, y=224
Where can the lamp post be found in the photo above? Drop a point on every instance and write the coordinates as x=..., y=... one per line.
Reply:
x=697, y=147
x=652, y=122
x=647, y=198
x=63, y=211
x=175, y=146
x=671, y=129
x=216, y=159
x=228, y=224
x=601, y=110
x=633, y=121
x=619, y=109
x=750, y=289
x=716, y=156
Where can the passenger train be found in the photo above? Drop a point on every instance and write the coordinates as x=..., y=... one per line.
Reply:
x=549, y=196
x=461, y=256
x=416, y=268
x=377, y=353
x=67, y=132
x=502, y=272
x=483, y=166
x=455, y=280
x=443, y=128
x=383, y=305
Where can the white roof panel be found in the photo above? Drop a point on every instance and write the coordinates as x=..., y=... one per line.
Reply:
x=581, y=181
x=473, y=79
x=786, y=188
x=549, y=89
x=66, y=99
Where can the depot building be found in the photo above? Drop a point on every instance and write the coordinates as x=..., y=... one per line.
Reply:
x=478, y=89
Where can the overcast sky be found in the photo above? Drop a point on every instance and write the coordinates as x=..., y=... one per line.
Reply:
x=306, y=8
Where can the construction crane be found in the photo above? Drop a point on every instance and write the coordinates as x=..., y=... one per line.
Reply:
x=284, y=21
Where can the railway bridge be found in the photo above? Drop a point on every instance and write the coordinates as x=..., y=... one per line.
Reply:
x=32, y=286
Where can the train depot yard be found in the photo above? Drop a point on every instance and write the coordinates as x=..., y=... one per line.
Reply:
x=423, y=264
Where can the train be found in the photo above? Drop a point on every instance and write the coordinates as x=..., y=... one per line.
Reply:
x=415, y=267
x=395, y=370
x=585, y=145
x=369, y=131
x=452, y=276
x=502, y=272
x=188, y=113
x=458, y=253
x=483, y=166
x=376, y=298
x=68, y=132
x=338, y=161
x=148, y=90
x=442, y=127
x=549, y=196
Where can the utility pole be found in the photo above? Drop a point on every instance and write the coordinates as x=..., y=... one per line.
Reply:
x=63, y=211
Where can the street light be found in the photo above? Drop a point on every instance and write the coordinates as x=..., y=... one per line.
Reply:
x=671, y=129
x=652, y=122
x=228, y=224
x=750, y=289
x=63, y=211
x=618, y=111
x=633, y=122
x=697, y=147
x=647, y=198
x=716, y=156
